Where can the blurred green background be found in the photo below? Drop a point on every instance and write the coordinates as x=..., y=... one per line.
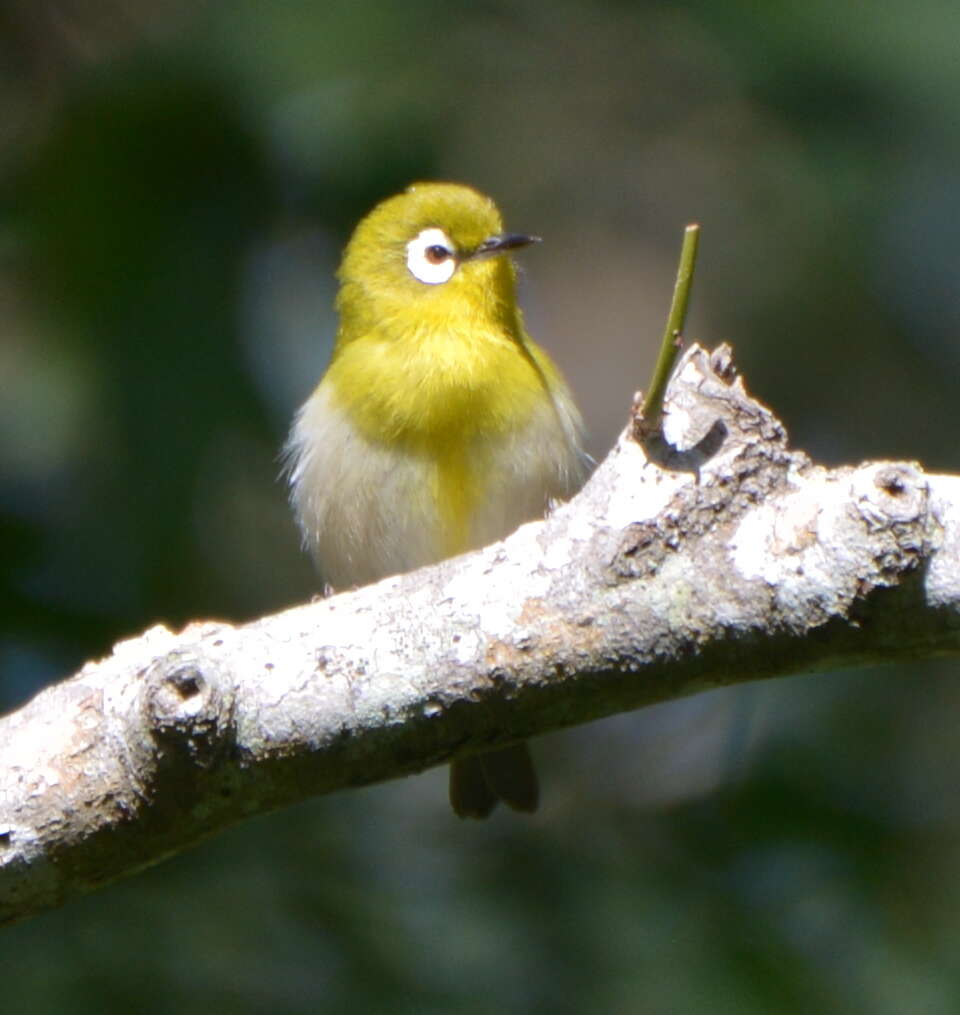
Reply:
x=176, y=182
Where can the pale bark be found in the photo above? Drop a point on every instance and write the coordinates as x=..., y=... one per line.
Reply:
x=673, y=571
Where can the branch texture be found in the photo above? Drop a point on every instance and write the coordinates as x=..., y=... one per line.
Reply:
x=721, y=556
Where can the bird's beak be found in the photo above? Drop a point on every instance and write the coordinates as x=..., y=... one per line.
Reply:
x=494, y=245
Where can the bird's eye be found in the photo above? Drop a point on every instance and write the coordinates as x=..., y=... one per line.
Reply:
x=436, y=254
x=431, y=256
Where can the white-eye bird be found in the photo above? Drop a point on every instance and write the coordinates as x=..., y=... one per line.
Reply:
x=439, y=426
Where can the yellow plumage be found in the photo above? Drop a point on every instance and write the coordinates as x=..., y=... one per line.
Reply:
x=439, y=425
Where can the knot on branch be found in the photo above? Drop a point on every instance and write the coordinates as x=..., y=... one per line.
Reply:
x=735, y=447
x=892, y=503
x=189, y=709
x=705, y=402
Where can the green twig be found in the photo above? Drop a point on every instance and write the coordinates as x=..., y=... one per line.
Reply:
x=652, y=411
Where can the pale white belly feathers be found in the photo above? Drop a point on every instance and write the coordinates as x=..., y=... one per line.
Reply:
x=367, y=510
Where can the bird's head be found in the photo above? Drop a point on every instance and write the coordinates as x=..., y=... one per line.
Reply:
x=436, y=251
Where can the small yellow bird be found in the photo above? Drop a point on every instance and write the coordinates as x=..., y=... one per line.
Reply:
x=439, y=426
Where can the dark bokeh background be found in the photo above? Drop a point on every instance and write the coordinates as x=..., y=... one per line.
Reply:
x=176, y=181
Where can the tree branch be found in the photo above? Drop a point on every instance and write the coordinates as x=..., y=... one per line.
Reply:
x=721, y=558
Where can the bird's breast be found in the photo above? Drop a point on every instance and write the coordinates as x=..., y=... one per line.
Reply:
x=434, y=391
x=375, y=499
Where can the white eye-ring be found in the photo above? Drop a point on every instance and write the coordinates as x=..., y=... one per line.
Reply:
x=431, y=256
